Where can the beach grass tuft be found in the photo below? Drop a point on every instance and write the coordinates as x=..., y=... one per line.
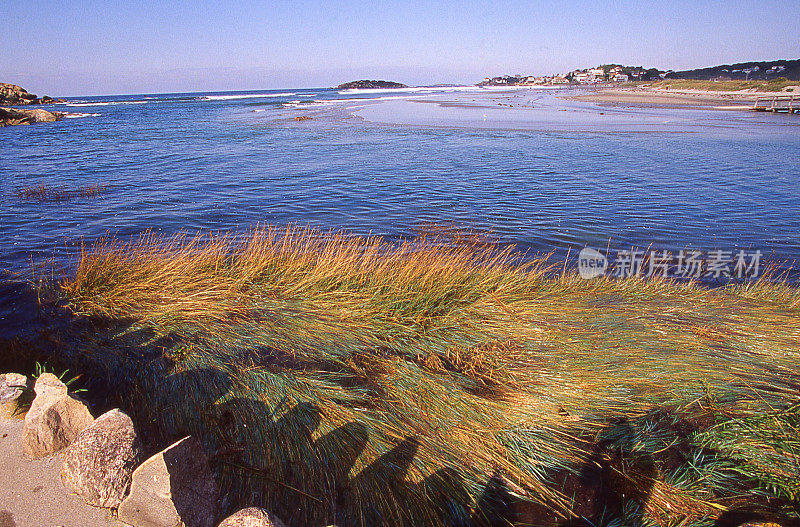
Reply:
x=445, y=380
x=43, y=192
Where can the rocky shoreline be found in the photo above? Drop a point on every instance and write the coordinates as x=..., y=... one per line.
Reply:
x=13, y=95
x=103, y=461
x=17, y=116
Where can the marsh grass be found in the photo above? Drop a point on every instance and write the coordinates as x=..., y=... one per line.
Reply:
x=437, y=380
x=43, y=192
x=773, y=85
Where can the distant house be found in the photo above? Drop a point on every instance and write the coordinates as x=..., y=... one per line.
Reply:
x=620, y=77
x=597, y=72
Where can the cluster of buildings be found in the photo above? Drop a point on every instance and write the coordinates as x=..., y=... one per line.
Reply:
x=600, y=74
x=774, y=70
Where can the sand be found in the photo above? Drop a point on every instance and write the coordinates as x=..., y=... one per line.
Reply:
x=31, y=492
x=657, y=97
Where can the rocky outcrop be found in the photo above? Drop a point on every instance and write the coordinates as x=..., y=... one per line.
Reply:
x=54, y=419
x=369, y=85
x=46, y=99
x=174, y=488
x=16, y=96
x=13, y=116
x=12, y=388
x=252, y=517
x=99, y=464
x=13, y=94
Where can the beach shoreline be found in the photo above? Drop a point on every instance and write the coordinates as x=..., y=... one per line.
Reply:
x=666, y=98
x=570, y=109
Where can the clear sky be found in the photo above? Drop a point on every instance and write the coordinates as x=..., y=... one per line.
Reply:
x=83, y=47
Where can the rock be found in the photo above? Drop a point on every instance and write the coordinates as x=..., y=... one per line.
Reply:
x=173, y=488
x=46, y=99
x=13, y=94
x=12, y=387
x=370, y=85
x=17, y=96
x=99, y=464
x=252, y=517
x=54, y=419
x=302, y=118
x=13, y=116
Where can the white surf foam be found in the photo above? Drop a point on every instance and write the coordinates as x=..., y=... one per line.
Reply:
x=250, y=96
x=417, y=89
x=80, y=115
x=109, y=103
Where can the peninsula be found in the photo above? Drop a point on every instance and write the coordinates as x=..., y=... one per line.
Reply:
x=788, y=70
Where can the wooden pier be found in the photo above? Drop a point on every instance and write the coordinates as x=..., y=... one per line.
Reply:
x=778, y=104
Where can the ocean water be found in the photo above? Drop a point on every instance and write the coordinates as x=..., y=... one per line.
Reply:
x=531, y=169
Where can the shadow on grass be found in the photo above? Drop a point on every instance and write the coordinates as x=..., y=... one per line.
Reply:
x=286, y=463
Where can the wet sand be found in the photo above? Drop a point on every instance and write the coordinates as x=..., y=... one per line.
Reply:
x=564, y=110
x=545, y=109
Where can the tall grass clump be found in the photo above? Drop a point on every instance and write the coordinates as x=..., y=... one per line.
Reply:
x=43, y=192
x=443, y=380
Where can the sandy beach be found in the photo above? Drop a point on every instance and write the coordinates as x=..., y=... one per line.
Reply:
x=659, y=97
x=31, y=492
x=569, y=109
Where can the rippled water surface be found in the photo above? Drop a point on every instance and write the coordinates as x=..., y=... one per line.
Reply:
x=580, y=175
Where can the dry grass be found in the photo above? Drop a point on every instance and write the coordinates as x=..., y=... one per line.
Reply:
x=760, y=86
x=45, y=192
x=444, y=346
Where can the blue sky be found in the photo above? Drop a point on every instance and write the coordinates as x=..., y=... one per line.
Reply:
x=83, y=47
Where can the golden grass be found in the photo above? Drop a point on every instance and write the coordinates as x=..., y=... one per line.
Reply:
x=45, y=192
x=732, y=85
x=491, y=364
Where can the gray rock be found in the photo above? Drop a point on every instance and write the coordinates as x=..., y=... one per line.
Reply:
x=174, y=488
x=12, y=388
x=54, y=419
x=252, y=517
x=15, y=116
x=99, y=464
